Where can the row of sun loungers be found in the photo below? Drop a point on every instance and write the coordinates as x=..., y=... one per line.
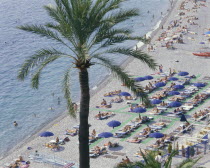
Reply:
x=104, y=115
x=130, y=127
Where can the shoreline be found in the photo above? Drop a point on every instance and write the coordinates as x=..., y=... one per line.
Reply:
x=106, y=80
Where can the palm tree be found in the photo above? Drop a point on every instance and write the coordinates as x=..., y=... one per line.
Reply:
x=88, y=31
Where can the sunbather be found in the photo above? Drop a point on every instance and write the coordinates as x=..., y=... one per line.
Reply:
x=103, y=103
x=111, y=145
x=93, y=133
x=134, y=140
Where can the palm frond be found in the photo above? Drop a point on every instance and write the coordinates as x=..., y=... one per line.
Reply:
x=35, y=60
x=188, y=163
x=145, y=58
x=118, y=39
x=100, y=9
x=43, y=32
x=124, y=77
x=121, y=16
x=67, y=93
x=104, y=33
x=36, y=76
x=169, y=160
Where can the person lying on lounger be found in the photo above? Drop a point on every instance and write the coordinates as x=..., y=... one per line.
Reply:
x=111, y=145
x=134, y=140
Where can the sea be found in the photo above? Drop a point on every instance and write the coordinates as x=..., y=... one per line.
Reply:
x=31, y=108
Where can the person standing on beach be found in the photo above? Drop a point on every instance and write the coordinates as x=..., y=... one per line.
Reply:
x=159, y=158
x=161, y=68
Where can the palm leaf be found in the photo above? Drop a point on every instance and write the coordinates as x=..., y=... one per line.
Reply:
x=188, y=163
x=136, y=54
x=34, y=60
x=36, y=76
x=67, y=93
x=43, y=32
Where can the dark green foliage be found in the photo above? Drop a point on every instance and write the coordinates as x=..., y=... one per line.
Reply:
x=170, y=148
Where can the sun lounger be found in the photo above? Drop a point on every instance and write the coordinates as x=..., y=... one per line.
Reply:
x=156, y=112
x=93, y=155
x=163, y=108
x=187, y=107
x=154, y=127
x=137, y=140
x=120, y=134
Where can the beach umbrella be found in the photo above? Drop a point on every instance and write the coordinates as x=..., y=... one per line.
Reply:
x=199, y=84
x=139, y=110
x=188, y=152
x=183, y=73
x=205, y=139
x=173, y=79
x=156, y=135
x=172, y=93
x=148, y=77
x=160, y=84
x=105, y=135
x=46, y=134
x=206, y=33
x=178, y=86
x=139, y=79
x=114, y=123
x=156, y=101
x=183, y=118
x=124, y=94
x=175, y=104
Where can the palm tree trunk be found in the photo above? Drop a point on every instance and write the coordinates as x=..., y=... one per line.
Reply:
x=84, y=113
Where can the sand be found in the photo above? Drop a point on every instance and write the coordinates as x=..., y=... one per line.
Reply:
x=179, y=59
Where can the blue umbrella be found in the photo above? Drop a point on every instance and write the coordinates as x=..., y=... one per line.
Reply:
x=188, y=152
x=124, y=94
x=156, y=101
x=208, y=32
x=173, y=79
x=46, y=134
x=175, y=104
x=178, y=86
x=148, y=77
x=105, y=135
x=139, y=79
x=160, y=84
x=199, y=84
x=183, y=118
x=139, y=110
x=114, y=123
x=183, y=73
x=172, y=93
x=201, y=42
x=156, y=135
x=205, y=139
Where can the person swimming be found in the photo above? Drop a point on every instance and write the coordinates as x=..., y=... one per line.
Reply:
x=15, y=123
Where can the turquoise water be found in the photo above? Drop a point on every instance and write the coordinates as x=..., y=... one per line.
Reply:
x=30, y=108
